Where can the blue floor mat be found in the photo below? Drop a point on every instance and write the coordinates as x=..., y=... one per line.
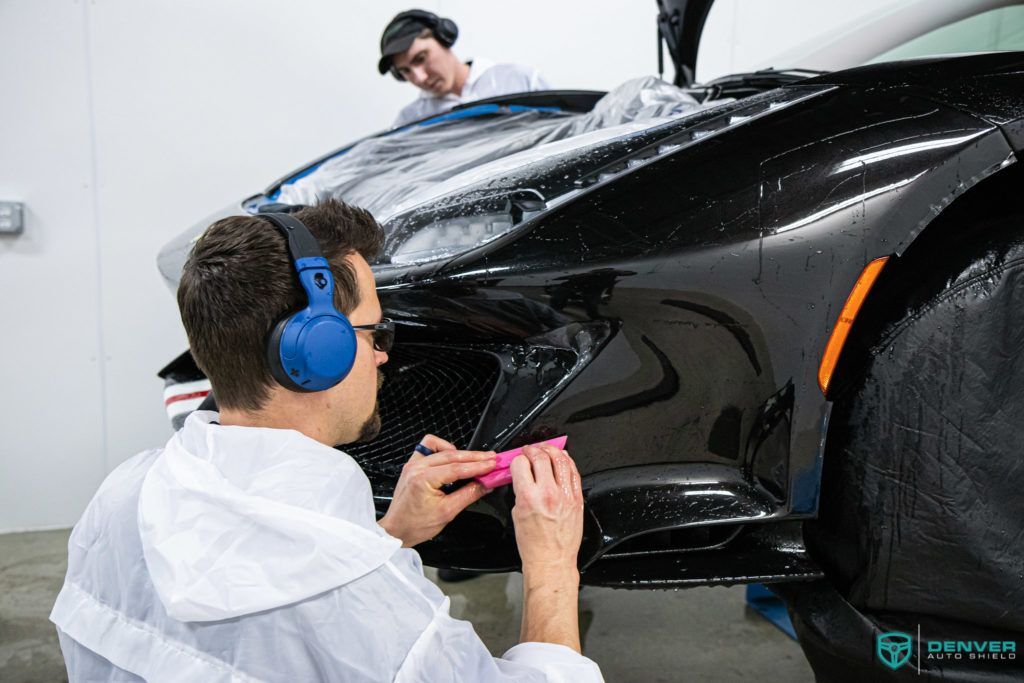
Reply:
x=770, y=606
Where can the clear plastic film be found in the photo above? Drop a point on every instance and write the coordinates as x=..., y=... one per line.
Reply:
x=389, y=173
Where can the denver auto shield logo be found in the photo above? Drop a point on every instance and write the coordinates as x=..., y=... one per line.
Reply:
x=894, y=648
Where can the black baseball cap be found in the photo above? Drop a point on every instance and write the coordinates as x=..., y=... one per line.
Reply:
x=400, y=33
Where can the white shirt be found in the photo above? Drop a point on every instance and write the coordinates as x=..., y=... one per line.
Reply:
x=486, y=79
x=238, y=553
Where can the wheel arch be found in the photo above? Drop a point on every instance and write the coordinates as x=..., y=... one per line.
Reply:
x=922, y=262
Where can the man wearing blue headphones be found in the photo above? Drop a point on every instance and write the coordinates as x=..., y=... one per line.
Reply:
x=248, y=549
x=416, y=47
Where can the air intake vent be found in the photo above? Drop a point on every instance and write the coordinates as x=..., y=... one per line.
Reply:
x=427, y=390
x=676, y=541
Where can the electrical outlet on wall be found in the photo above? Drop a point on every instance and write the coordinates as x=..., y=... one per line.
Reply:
x=12, y=218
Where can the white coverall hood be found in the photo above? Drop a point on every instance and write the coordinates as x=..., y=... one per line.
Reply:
x=224, y=538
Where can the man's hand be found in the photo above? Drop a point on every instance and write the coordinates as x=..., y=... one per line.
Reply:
x=419, y=508
x=548, y=514
x=548, y=517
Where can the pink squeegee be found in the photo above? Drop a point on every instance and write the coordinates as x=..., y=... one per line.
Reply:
x=501, y=474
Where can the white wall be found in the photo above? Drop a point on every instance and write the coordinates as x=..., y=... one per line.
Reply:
x=122, y=122
x=51, y=372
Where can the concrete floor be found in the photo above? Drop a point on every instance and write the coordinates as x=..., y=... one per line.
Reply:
x=701, y=634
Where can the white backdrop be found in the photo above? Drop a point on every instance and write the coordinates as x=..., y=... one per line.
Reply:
x=124, y=121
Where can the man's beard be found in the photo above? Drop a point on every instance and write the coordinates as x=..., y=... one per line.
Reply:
x=371, y=428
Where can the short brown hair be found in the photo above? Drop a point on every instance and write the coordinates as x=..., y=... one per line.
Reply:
x=239, y=281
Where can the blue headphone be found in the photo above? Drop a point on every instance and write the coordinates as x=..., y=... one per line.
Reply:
x=314, y=348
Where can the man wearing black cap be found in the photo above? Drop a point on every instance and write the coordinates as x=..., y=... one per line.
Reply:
x=416, y=47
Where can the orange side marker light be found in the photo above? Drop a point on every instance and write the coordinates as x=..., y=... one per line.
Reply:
x=845, y=322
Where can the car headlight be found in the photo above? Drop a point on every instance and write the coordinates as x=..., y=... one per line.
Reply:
x=451, y=236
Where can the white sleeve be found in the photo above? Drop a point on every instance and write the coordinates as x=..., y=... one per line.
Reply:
x=448, y=649
x=559, y=663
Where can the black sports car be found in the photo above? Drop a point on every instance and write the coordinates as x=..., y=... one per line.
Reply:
x=780, y=319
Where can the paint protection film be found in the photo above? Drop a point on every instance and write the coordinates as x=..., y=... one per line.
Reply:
x=392, y=173
x=921, y=526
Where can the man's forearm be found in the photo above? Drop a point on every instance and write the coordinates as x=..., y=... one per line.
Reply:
x=551, y=606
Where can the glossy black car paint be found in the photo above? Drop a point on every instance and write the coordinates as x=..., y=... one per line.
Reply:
x=671, y=320
x=671, y=317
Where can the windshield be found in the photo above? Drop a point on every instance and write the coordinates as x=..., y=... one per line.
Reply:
x=996, y=30
x=813, y=37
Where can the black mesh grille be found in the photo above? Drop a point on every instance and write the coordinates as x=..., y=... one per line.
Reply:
x=427, y=390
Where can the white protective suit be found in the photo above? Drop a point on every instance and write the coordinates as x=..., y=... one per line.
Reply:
x=486, y=79
x=239, y=553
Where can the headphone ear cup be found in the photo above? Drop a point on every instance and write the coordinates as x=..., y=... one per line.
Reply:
x=329, y=343
x=274, y=356
x=324, y=351
x=446, y=32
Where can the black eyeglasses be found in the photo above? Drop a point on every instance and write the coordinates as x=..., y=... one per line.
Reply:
x=383, y=334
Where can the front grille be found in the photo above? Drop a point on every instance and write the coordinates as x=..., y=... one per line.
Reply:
x=427, y=390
